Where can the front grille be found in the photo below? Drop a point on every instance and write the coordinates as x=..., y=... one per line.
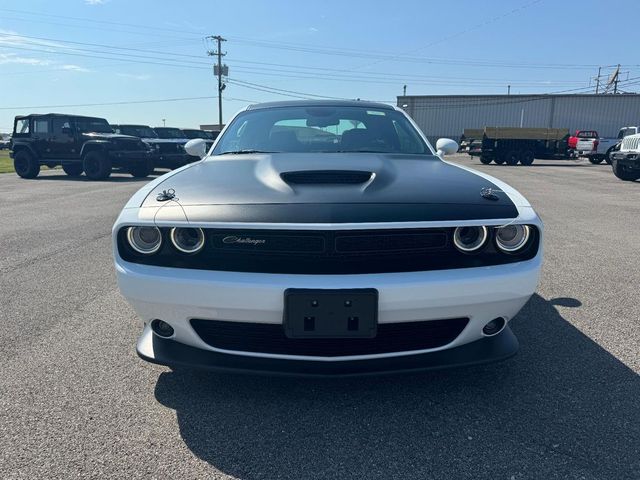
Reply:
x=319, y=177
x=169, y=147
x=270, y=338
x=631, y=143
x=326, y=252
x=129, y=145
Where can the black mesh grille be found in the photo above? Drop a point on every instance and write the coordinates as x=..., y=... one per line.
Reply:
x=270, y=338
x=348, y=177
x=169, y=147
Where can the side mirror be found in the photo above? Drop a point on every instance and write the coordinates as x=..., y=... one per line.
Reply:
x=196, y=148
x=67, y=131
x=446, y=146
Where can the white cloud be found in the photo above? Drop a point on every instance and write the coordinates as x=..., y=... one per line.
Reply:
x=6, y=58
x=75, y=68
x=95, y=2
x=134, y=76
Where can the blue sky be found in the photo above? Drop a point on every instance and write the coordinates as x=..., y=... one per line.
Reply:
x=71, y=52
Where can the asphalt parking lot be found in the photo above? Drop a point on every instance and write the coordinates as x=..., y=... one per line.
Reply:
x=75, y=400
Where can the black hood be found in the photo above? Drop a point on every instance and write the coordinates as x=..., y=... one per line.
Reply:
x=107, y=136
x=331, y=188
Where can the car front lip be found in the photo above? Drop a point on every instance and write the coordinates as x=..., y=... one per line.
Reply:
x=167, y=352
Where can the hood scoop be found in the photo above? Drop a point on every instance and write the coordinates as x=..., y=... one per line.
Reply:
x=324, y=177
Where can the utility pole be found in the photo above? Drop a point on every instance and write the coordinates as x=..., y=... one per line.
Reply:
x=598, y=81
x=615, y=82
x=218, y=70
x=404, y=91
x=508, y=89
x=164, y=122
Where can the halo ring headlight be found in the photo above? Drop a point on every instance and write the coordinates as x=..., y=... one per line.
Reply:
x=512, y=238
x=187, y=240
x=144, y=239
x=470, y=239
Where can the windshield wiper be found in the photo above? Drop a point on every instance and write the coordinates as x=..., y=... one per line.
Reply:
x=238, y=152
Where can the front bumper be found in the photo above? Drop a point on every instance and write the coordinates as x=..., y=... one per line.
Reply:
x=626, y=159
x=167, y=352
x=177, y=295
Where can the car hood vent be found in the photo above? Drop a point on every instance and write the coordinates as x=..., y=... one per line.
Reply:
x=323, y=177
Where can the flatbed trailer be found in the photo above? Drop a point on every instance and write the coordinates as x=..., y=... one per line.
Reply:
x=513, y=145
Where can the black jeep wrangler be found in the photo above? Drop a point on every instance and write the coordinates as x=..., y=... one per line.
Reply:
x=79, y=144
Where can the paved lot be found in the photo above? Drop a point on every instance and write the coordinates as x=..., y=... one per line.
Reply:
x=75, y=401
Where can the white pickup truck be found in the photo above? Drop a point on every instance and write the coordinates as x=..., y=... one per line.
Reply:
x=598, y=149
x=625, y=162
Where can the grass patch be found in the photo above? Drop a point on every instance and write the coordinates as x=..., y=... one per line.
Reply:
x=6, y=164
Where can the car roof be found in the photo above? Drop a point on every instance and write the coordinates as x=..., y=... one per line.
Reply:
x=55, y=115
x=320, y=103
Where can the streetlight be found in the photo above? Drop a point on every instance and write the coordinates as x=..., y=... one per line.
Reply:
x=164, y=122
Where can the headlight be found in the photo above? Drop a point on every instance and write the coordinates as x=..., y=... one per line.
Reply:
x=146, y=240
x=512, y=237
x=187, y=240
x=470, y=239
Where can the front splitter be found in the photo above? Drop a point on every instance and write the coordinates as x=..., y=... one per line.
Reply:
x=161, y=351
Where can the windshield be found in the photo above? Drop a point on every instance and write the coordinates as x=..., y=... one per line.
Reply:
x=191, y=133
x=88, y=125
x=141, y=131
x=321, y=129
x=167, y=132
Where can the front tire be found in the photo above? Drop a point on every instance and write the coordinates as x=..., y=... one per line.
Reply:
x=96, y=165
x=485, y=159
x=623, y=173
x=595, y=160
x=141, y=170
x=25, y=165
x=72, y=169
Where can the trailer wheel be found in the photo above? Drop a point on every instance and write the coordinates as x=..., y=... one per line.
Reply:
x=499, y=160
x=527, y=157
x=485, y=159
x=513, y=157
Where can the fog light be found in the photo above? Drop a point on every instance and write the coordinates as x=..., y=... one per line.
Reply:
x=494, y=327
x=162, y=329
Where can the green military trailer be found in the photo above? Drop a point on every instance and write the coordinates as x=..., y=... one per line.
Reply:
x=513, y=145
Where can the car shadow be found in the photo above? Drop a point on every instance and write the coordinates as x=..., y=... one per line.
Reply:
x=562, y=408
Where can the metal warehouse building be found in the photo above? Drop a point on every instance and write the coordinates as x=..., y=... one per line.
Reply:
x=447, y=115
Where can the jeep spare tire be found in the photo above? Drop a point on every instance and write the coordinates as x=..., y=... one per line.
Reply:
x=25, y=164
x=96, y=165
x=72, y=169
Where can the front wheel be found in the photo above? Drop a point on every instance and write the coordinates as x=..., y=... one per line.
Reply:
x=25, y=165
x=485, y=159
x=624, y=173
x=142, y=169
x=96, y=165
x=72, y=169
x=595, y=160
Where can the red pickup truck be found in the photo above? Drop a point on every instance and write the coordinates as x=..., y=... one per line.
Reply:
x=573, y=140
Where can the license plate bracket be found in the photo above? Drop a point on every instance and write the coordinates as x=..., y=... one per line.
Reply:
x=327, y=313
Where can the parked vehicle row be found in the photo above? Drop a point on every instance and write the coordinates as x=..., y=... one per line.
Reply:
x=597, y=148
x=93, y=146
x=625, y=161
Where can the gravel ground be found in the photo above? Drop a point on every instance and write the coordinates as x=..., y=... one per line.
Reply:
x=75, y=401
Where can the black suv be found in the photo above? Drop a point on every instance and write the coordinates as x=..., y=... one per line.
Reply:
x=166, y=152
x=78, y=144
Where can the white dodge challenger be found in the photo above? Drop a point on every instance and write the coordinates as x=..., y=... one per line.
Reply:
x=326, y=238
